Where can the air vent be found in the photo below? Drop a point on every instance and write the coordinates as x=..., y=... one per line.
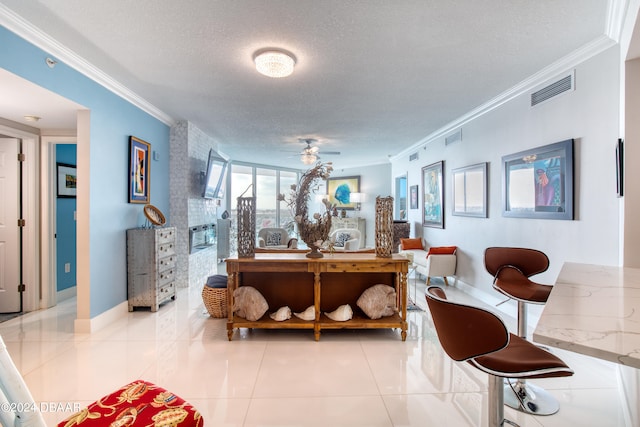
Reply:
x=563, y=85
x=413, y=156
x=454, y=137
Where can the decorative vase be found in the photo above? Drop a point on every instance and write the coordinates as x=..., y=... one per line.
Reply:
x=315, y=233
x=315, y=252
x=383, y=226
x=246, y=227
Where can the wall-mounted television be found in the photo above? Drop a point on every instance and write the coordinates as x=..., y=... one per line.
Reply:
x=214, y=177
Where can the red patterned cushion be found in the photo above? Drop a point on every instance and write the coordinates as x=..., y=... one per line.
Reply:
x=138, y=403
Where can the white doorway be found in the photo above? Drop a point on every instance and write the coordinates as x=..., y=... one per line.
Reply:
x=22, y=247
x=10, y=241
x=49, y=296
x=59, y=116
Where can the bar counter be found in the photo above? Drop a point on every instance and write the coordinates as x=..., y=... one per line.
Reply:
x=594, y=310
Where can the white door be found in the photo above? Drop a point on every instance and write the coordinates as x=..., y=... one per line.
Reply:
x=9, y=232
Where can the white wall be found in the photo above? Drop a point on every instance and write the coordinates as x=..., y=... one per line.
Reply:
x=632, y=174
x=374, y=181
x=590, y=116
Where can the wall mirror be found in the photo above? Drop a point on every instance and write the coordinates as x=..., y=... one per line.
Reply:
x=400, y=204
x=470, y=191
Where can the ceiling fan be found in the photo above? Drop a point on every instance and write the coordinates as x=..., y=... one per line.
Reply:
x=309, y=154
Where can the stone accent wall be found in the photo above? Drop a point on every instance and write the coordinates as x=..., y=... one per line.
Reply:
x=189, y=151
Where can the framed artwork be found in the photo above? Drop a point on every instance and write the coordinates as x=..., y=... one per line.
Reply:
x=66, y=180
x=339, y=191
x=413, y=196
x=432, y=200
x=470, y=191
x=138, y=170
x=538, y=183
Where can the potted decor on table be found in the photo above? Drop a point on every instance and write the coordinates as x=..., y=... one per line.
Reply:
x=313, y=231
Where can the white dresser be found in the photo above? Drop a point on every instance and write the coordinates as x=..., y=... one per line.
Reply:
x=358, y=223
x=151, y=266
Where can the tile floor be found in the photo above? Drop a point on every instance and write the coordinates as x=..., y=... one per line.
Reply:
x=285, y=378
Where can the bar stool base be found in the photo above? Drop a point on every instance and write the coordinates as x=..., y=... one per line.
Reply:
x=529, y=398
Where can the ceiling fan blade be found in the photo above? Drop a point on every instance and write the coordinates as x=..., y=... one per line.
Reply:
x=328, y=152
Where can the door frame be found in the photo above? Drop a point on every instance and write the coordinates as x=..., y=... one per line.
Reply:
x=30, y=210
x=48, y=202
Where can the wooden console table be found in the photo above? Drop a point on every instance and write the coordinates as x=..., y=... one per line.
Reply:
x=292, y=279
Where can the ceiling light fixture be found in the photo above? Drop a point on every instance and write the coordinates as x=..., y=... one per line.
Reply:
x=308, y=158
x=274, y=63
x=31, y=118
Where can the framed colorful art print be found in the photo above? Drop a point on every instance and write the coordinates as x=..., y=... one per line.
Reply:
x=538, y=183
x=339, y=191
x=139, y=170
x=66, y=180
x=432, y=199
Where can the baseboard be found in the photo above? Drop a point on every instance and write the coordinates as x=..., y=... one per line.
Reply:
x=87, y=326
x=66, y=294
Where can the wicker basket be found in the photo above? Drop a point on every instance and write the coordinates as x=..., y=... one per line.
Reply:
x=215, y=300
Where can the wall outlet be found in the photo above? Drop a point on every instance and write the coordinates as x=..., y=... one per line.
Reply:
x=67, y=267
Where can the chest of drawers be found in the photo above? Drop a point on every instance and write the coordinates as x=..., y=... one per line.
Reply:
x=151, y=266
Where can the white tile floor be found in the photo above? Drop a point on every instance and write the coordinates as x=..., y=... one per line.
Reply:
x=285, y=378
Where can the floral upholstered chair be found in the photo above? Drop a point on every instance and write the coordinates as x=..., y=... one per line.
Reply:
x=345, y=239
x=276, y=238
x=139, y=403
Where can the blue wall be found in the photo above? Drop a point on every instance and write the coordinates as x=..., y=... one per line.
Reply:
x=65, y=226
x=113, y=120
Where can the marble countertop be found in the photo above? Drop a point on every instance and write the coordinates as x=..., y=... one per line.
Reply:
x=594, y=310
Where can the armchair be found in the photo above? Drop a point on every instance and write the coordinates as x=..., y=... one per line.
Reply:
x=437, y=261
x=276, y=238
x=345, y=239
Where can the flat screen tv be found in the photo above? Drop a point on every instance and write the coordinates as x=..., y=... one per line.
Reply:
x=214, y=177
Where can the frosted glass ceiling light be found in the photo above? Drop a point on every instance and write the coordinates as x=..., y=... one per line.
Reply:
x=308, y=159
x=274, y=63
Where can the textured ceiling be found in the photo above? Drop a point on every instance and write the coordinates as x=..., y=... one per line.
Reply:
x=372, y=77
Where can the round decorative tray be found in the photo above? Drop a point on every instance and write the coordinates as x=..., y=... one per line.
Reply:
x=154, y=215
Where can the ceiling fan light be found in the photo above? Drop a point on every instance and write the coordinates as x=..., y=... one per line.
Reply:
x=308, y=159
x=274, y=63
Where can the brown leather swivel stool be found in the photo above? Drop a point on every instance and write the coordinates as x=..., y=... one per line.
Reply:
x=481, y=338
x=511, y=269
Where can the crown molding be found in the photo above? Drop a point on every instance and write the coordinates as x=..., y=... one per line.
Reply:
x=24, y=29
x=616, y=13
x=563, y=65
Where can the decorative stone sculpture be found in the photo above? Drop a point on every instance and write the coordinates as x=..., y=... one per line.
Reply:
x=378, y=301
x=249, y=303
x=314, y=232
